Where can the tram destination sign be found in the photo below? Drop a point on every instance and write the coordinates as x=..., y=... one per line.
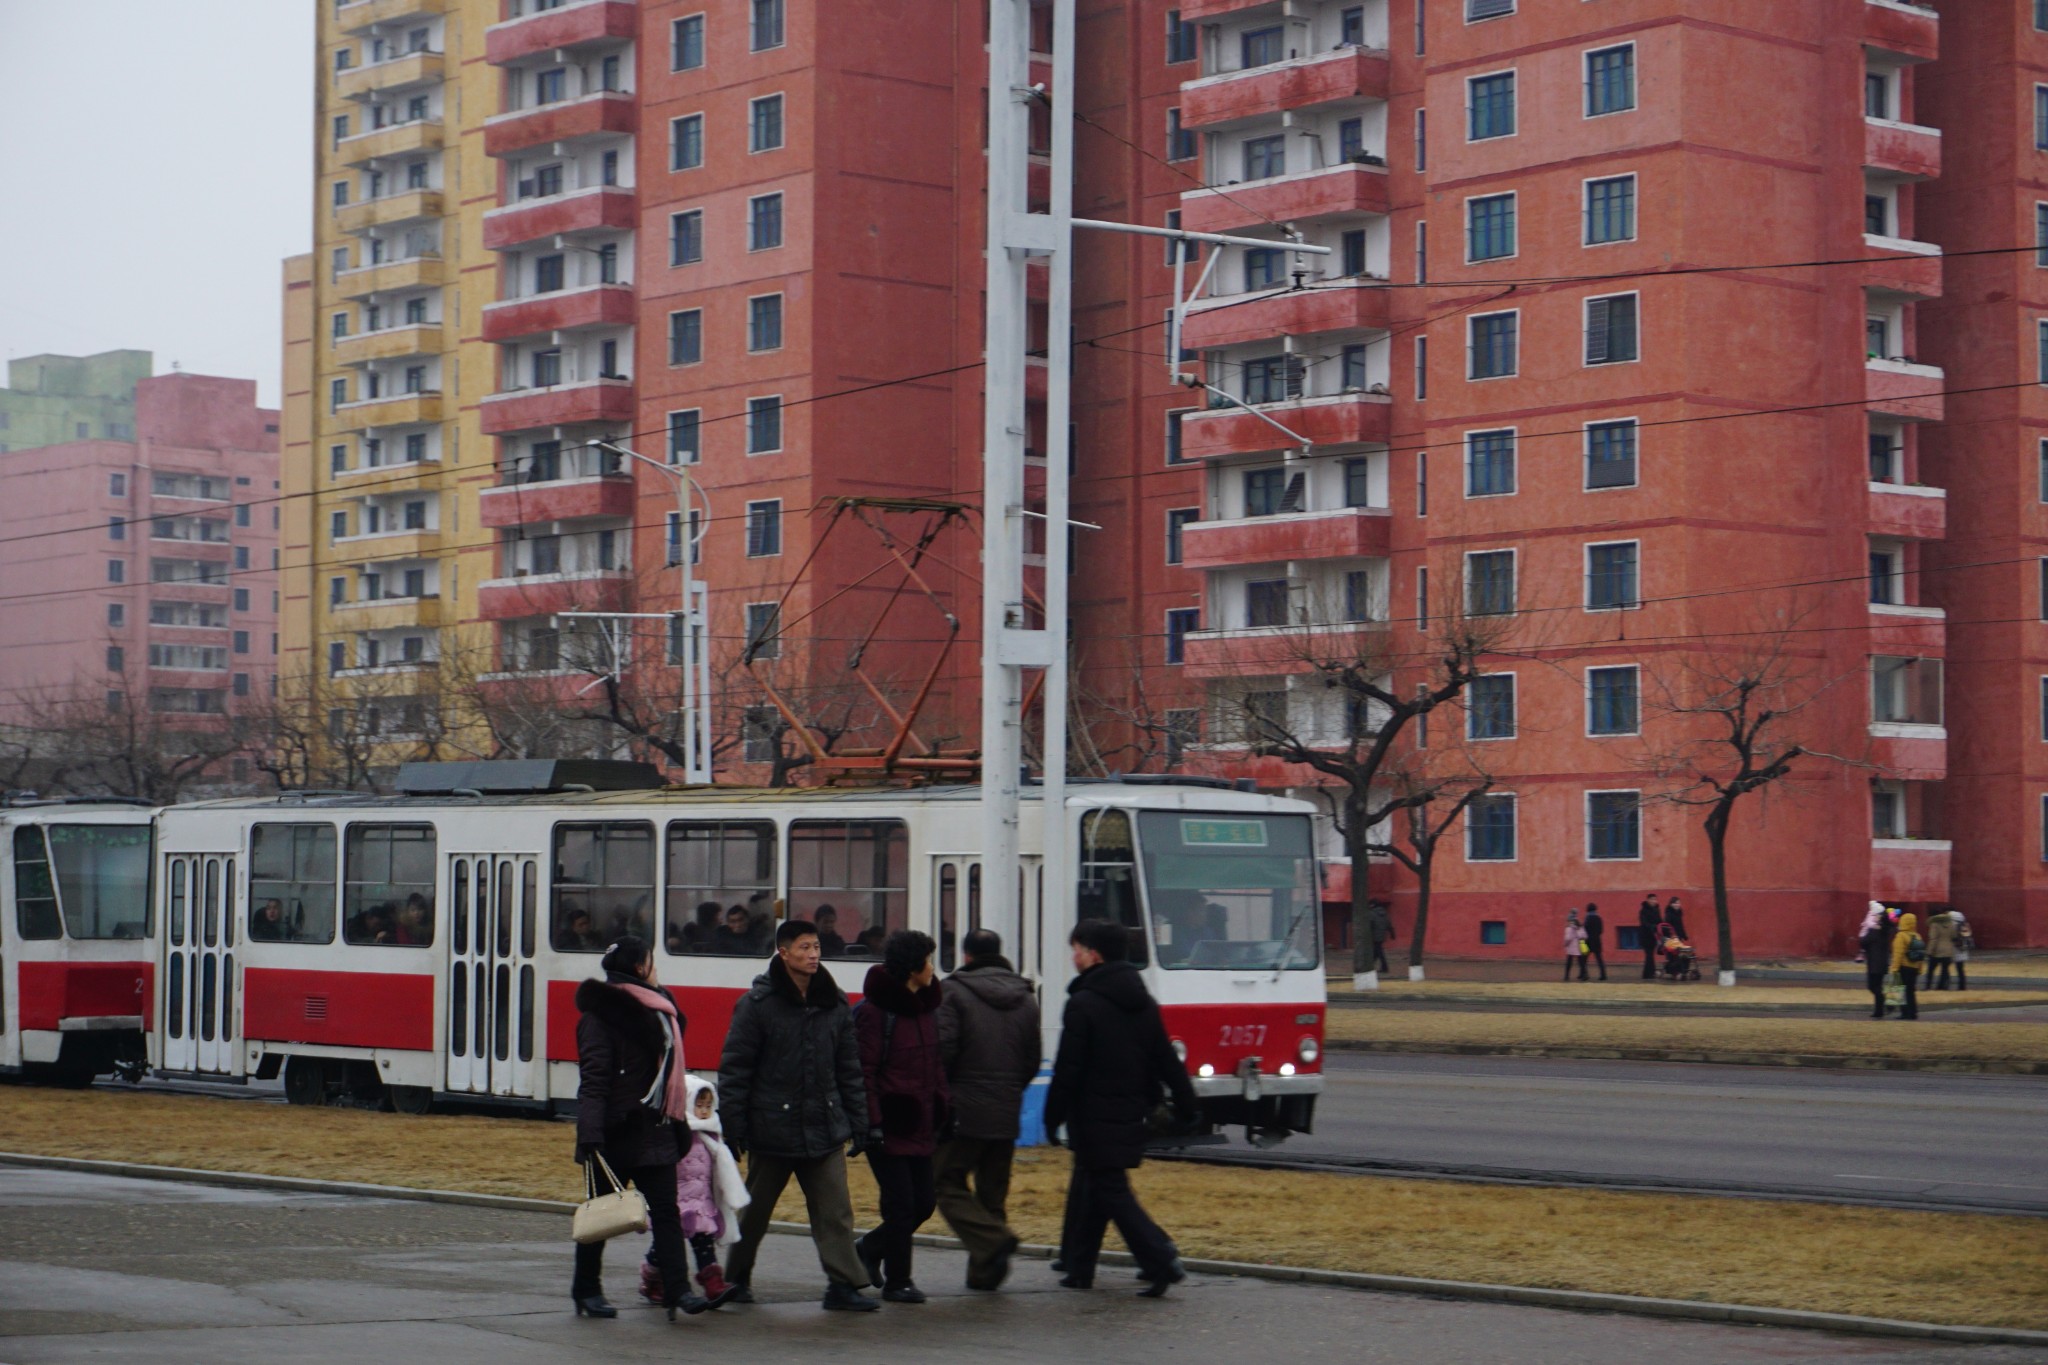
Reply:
x=1230, y=833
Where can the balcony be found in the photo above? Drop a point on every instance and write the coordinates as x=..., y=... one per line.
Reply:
x=1910, y=753
x=1344, y=419
x=419, y=135
x=395, y=666
x=1904, y=389
x=1909, y=869
x=361, y=15
x=1270, y=651
x=399, y=409
x=597, y=400
x=1919, y=632
x=602, y=208
x=395, y=476
x=609, y=111
x=414, y=68
x=513, y=599
x=1304, y=195
x=565, y=310
x=1908, y=511
x=403, y=207
x=1904, y=30
x=1302, y=83
x=1346, y=533
x=422, y=544
x=1194, y=11
x=419, y=272
x=200, y=678
x=389, y=343
x=1333, y=306
x=573, y=25
x=1905, y=150
x=524, y=504
x=1902, y=266
x=388, y=613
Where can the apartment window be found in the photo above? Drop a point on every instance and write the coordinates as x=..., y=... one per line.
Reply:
x=551, y=86
x=1351, y=26
x=1265, y=379
x=416, y=447
x=1180, y=142
x=1422, y=602
x=117, y=528
x=1421, y=483
x=1489, y=227
x=1614, y=825
x=1422, y=139
x=1180, y=38
x=2041, y=16
x=337, y=393
x=547, y=274
x=241, y=599
x=1611, y=329
x=1183, y=731
x=1181, y=622
x=117, y=571
x=764, y=630
x=1487, y=9
x=684, y=436
x=2042, y=587
x=1358, y=595
x=117, y=658
x=1265, y=602
x=1351, y=250
x=764, y=222
x=1611, y=454
x=607, y=549
x=1611, y=210
x=1269, y=492
x=547, y=368
x=1610, y=80
x=686, y=43
x=686, y=336
x=416, y=309
x=415, y=379
x=340, y=129
x=686, y=237
x=1358, y=483
x=1490, y=707
x=2041, y=351
x=1421, y=368
x=764, y=27
x=764, y=425
x=764, y=528
x=1611, y=576
x=686, y=142
x=1490, y=583
x=2042, y=457
x=1264, y=267
x=2040, y=117
x=2041, y=228
x=1489, y=463
x=337, y=525
x=1877, y=95
x=117, y=484
x=1422, y=253
x=1177, y=248
x=337, y=656
x=1877, y=215
x=764, y=323
x=1884, y=578
x=1351, y=141
x=1265, y=156
x=241, y=641
x=1613, y=701
x=415, y=516
x=337, y=591
x=1176, y=518
x=1174, y=447
x=1489, y=106
x=1494, y=344
x=764, y=124
x=341, y=194
x=1490, y=837
x=416, y=175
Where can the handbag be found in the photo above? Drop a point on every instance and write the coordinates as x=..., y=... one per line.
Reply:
x=602, y=1217
x=1895, y=990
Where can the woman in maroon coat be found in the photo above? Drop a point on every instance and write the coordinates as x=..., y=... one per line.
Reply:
x=897, y=1028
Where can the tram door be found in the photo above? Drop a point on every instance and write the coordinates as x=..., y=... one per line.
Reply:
x=956, y=903
x=493, y=986
x=198, y=1008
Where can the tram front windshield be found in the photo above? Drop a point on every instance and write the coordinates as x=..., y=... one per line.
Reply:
x=102, y=879
x=1230, y=892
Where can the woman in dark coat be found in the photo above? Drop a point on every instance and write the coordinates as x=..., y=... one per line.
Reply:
x=897, y=1028
x=1875, y=939
x=629, y=1046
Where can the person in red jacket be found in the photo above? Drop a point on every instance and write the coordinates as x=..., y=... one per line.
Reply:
x=897, y=1029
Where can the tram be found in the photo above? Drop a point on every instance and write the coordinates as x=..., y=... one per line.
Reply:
x=427, y=946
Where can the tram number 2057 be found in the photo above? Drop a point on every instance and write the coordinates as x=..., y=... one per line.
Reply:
x=1244, y=1035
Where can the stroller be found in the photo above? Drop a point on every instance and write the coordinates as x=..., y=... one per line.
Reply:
x=1681, y=963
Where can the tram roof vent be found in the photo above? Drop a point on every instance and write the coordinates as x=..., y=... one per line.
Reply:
x=527, y=777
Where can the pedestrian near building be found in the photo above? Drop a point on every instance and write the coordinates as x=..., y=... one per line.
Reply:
x=1648, y=917
x=1595, y=925
x=794, y=1101
x=988, y=1039
x=1909, y=955
x=1114, y=1063
x=632, y=1108
x=1381, y=926
x=1574, y=945
x=1966, y=942
x=1874, y=937
x=897, y=1031
x=1674, y=915
x=1941, y=950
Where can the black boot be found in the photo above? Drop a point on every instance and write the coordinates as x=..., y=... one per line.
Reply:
x=594, y=1306
x=1163, y=1280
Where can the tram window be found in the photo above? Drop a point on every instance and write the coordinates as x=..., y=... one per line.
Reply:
x=853, y=873
x=949, y=915
x=529, y=902
x=1233, y=892
x=102, y=879
x=1108, y=885
x=179, y=870
x=291, y=883
x=604, y=884
x=721, y=887
x=461, y=904
x=388, y=885
x=35, y=892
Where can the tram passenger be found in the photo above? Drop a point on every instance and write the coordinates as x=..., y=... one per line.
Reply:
x=576, y=935
x=870, y=941
x=735, y=936
x=827, y=920
x=268, y=926
x=415, y=922
x=897, y=1028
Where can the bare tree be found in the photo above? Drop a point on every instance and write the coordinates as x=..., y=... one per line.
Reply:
x=112, y=738
x=1433, y=791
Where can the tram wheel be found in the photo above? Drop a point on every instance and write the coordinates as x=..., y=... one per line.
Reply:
x=305, y=1080
x=409, y=1099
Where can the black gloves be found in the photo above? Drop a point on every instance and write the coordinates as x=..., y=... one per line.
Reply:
x=585, y=1151
x=871, y=1141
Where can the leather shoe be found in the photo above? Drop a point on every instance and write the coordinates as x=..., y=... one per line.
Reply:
x=846, y=1299
x=1174, y=1273
x=903, y=1293
x=1076, y=1282
x=738, y=1293
x=595, y=1306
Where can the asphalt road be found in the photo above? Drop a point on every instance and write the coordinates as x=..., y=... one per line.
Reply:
x=1924, y=1137
x=117, y=1271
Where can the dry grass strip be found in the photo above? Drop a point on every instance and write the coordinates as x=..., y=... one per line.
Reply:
x=1693, y=995
x=1981, y=1270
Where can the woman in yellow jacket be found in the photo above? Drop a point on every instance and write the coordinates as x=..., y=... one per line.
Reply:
x=1905, y=944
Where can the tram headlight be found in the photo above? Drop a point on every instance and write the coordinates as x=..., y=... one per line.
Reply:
x=1287, y=1068
x=1205, y=1071
x=1308, y=1050
x=1180, y=1050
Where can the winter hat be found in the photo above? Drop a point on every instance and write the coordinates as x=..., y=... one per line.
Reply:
x=695, y=1086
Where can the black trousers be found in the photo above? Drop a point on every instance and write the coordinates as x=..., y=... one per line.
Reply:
x=907, y=1196
x=1937, y=974
x=1379, y=958
x=1593, y=952
x=1910, y=977
x=1874, y=975
x=1649, y=957
x=1096, y=1197
x=671, y=1252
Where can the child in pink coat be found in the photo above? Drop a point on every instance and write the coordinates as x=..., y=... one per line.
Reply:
x=710, y=1193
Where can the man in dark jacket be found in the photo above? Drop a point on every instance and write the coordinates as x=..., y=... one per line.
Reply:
x=791, y=1099
x=1647, y=920
x=1595, y=925
x=1113, y=1062
x=1381, y=926
x=988, y=1037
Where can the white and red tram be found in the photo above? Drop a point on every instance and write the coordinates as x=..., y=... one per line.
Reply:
x=428, y=946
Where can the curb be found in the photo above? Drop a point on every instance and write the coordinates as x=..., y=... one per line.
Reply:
x=1955, y=1065
x=1571, y=1299
x=1675, y=1007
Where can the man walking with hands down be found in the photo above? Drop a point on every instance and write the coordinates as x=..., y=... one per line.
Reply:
x=1648, y=917
x=988, y=1035
x=1114, y=1060
x=791, y=1099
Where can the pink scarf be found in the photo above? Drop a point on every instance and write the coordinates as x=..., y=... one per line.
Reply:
x=675, y=1101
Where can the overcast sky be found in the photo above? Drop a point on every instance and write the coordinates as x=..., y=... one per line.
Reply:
x=155, y=170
